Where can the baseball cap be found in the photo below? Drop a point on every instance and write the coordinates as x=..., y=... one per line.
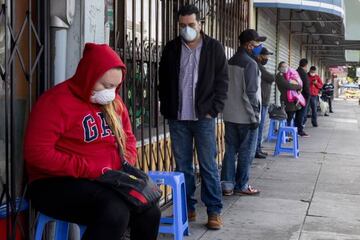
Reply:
x=249, y=35
x=264, y=51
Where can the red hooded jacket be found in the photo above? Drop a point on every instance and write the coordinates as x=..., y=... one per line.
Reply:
x=315, y=84
x=67, y=135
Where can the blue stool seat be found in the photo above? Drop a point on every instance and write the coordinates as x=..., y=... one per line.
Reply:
x=61, y=228
x=177, y=224
x=285, y=132
x=273, y=129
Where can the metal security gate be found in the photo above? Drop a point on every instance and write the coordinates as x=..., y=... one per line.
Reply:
x=24, y=75
x=141, y=30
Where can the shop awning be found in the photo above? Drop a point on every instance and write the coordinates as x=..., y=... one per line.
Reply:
x=327, y=6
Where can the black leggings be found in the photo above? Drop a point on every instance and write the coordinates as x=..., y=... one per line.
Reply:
x=88, y=203
x=330, y=104
x=299, y=116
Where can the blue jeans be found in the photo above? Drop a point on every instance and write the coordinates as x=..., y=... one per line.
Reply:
x=305, y=111
x=182, y=134
x=264, y=110
x=240, y=140
x=313, y=104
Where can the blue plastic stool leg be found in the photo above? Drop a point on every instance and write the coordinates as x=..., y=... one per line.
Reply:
x=61, y=230
x=296, y=143
x=41, y=223
x=178, y=214
x=279, y=141
x=184, y=209
x=178, y=224
x=272, y=135
x=283, y=123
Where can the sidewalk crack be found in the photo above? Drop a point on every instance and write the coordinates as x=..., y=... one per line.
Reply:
x=310, y=200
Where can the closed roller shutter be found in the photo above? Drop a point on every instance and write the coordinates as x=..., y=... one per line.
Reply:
x=266, y=26
x=284, y=43
x=283, y=50
x=295, y=53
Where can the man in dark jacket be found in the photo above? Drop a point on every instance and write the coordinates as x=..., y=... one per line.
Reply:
x=193, y=86
x=302, y=70
x=267, y=80
x=242, y=116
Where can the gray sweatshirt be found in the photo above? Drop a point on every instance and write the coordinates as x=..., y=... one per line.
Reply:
x=244, y=93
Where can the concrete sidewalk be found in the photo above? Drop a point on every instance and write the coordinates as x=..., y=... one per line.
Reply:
x=316, y=196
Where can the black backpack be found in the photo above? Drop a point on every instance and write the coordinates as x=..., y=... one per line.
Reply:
x=277, y=112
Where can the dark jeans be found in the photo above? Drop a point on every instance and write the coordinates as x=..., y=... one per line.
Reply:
x=183, y=134
x=313, y=105
x=88, y=203
x=306, y=110
x=240, y=146
x=264, y=110
x=330, y=104
x=298, y=117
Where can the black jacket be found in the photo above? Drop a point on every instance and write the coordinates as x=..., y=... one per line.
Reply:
x=212, y=82
x=328, y=90
x=267, y=80
x=306, y=83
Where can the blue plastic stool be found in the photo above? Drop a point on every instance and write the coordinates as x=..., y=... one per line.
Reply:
x=273, y=133
x=286, y=137
x=283, y=131
x=61, y=228
x=178, y=224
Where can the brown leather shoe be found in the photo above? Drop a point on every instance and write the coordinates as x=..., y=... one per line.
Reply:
x=214, y=222
x=250, y=191
x=191, y=216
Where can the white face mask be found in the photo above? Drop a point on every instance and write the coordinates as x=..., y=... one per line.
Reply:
x=283, y=69
x=312, y=74
x=103, y=97
x=188, y=34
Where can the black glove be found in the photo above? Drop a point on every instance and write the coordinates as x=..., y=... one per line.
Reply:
x=254, y=126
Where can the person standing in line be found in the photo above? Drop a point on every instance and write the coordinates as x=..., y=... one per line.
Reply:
x=267, y=79
x=193, y=86
x=328, y=93
x=316, y=85
x=242, y=115
x=302, y=70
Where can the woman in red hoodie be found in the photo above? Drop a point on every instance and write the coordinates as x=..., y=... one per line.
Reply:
x=69, y=142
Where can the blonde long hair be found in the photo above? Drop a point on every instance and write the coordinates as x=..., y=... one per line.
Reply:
x=113, y=113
